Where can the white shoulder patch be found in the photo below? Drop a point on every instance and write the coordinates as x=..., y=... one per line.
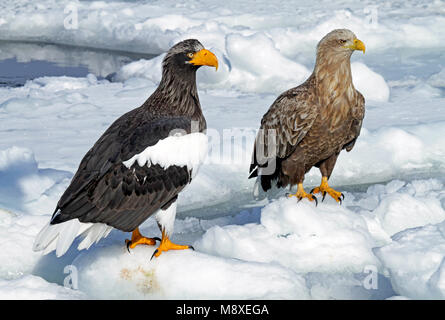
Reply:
x=182, y=150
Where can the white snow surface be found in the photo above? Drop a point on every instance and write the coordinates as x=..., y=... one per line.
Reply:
x=30, y=287
x=415, y=261
x=392, y=219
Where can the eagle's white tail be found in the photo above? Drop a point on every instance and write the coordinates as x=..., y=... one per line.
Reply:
x=60, y=236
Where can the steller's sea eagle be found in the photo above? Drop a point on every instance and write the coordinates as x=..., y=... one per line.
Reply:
x=139, y=165
x=310, y=124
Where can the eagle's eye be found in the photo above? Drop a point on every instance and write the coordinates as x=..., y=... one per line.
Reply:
x=190, y=55
x=342, y=41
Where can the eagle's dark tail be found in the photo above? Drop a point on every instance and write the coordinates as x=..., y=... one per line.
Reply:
x=267, y=180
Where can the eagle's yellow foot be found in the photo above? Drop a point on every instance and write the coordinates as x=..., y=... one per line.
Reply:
x=167, y=245
x=300, y=194
x=325, y=188
x=137, y=239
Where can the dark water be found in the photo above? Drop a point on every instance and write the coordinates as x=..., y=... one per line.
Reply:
x=22, y=61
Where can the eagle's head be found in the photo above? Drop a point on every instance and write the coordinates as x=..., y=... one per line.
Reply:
x=187, y=56
x=340, y=42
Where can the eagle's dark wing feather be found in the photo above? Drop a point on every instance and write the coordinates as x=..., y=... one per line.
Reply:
x=290, y=117
x=104, y=190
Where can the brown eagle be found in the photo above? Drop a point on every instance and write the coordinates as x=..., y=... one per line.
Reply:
x=310, y=124
x=139, y=165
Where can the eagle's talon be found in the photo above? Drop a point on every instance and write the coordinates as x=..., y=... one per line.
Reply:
x=316, y=201
x=128, y=242
x=156, y=251
x=343, y=196
x=167, y=245
x=137, y=239
x=324, y=189
x=302, y=194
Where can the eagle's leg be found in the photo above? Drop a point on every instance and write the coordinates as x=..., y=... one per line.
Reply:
x=166, y=218
x=137, y=239
x=326, y=168
x=300, y=194
x=292, y=169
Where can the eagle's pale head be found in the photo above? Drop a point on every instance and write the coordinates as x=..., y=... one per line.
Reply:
x=340, y=42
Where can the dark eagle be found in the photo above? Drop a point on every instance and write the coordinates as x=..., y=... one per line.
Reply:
x=310, y=124
x=139, y=165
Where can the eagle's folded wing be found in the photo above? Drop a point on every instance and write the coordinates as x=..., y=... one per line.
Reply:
x=105, y=190
x=284, y=126
x=358, y=113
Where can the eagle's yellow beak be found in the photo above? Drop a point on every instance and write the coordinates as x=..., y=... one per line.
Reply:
x=358, y=45
x=204, y=57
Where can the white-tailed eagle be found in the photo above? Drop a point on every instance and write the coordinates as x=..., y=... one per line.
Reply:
x=310, y=124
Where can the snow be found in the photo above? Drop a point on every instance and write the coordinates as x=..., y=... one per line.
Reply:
x=132, y=277
x=24, y=186
x=391, y=222
x=371, y=84
x=36, y=288
x=298, y=236
x=17, y=233
x=415, y=260
x=416, y=204
x=438, y=79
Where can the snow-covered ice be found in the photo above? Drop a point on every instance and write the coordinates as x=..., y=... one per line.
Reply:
x=124, y=275
x=391, y=224
x=32, y=287
x=415, y=261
